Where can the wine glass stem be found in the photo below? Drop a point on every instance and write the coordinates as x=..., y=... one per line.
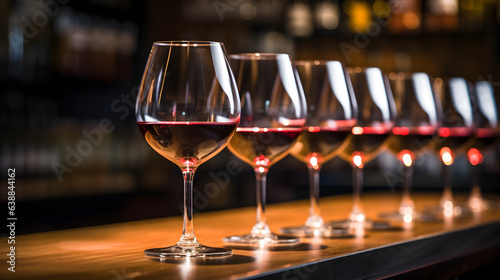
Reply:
x=476, y=189
x=314, y=219
x=447, y=193
x=475, y=200
x=357, y=178
x=407, y=184
x=261, y=227
x=188, y=239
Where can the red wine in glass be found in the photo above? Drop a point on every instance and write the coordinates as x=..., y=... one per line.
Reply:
x=366, y=140
x=414, y=139
x=262, y=147
x=454, y=138
x=187, y=144
x=320, y=143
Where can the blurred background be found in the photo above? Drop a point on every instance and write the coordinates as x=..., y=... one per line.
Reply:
x=70, y=70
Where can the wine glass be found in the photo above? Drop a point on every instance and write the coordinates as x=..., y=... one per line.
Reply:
x=376, y=118
x=484, y=139
x=456, y=130
x=418, y=119
x=332, y=112
x=273, y=114
x=188, y=109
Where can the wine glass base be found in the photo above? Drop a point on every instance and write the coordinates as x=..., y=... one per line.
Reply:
x=407, y=221
x=438, y=213
x=323, y=231
x=478, y=204
x=267, y=240
x=195, y=252
x=366, y=224
x=397, y=216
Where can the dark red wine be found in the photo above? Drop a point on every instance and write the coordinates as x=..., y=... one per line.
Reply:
x=187, y=143
x=323, y=143
x=261, y=147
x=415, y=139
x=454, y=138
x=368, y=140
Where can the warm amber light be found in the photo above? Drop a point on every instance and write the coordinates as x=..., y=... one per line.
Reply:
x=360, y=13
x=475, y=156
x=313, y=129
x=446, y=155
x=313, y=160
x=357, y=130
x=262, y=161
x=381, y=8
x=406, y=156
x=357, y=159
x=392, y=76
x=411, y=21
x=438, y=82
x=188, y=161
x=448, y=208
x=360, y=218
x=407, y=160
x=407, y=218
x=407, y=213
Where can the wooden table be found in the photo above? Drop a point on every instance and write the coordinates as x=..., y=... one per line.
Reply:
x=116, y=251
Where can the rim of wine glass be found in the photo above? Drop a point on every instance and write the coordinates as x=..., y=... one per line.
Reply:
x=257, y=56
x=315, y=62
x=186, y=43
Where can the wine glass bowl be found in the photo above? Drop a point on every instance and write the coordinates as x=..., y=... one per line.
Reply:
x=377, y=114
x=332, y=112
x=187, y=144
x=273, y=114
x=188, y=109
x=331, y=108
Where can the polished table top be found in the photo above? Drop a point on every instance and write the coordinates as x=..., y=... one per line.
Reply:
x=116, y=251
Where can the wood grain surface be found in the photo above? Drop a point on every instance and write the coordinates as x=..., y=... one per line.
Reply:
x=116, y=251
